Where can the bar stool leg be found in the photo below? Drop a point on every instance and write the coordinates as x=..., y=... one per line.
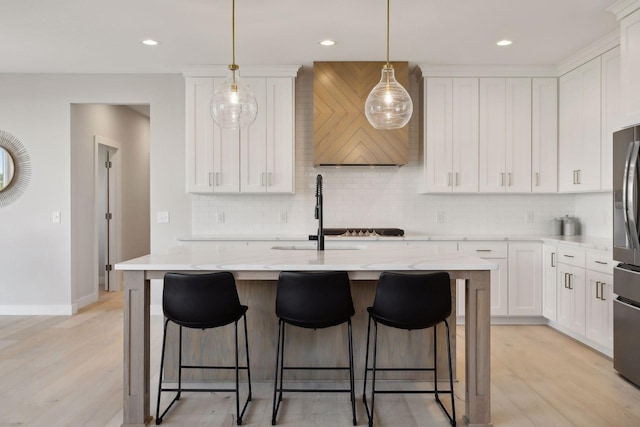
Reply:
x=277, y=398
x=366, y=371
x=435, y=363
x=164, y=345
x=246, y=343
x=238, y=415
x=351, y=375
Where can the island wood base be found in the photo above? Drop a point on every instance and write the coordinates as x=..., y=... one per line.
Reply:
x=136, y=409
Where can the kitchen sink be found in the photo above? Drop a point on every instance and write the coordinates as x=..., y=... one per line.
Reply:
x=314, y=247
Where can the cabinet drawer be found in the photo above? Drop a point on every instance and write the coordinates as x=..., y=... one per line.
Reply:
x=571, y=256
x=484, y=249
x=600, y=261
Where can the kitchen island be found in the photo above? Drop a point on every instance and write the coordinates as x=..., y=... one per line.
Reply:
x=257, y=268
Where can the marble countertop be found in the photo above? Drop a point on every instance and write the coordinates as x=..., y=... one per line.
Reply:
x=587, y=242
x=371, y=258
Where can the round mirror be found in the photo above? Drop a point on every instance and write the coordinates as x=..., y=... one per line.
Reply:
x=15, y=168
x=7, y=169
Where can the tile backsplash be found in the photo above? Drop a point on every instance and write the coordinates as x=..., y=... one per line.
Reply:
x=383, y=197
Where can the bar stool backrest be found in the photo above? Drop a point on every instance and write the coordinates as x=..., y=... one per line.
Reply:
x=314, y=299
x=201, y=300
x=412, y=301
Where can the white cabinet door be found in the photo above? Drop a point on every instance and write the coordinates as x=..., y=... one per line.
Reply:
x=630, y=67
x=580, y=135
x=525, y=279
x=505, y=135
x=211, y=152
x=438, y=161
x=518, y=138
x=199, y=135
x=451, y=135
x=610, y=113
x=571, y=298
x=544, y=135
x=226, y=155
x=267, y=146
x=549, y=280
x=281, y=135
x=492, y=174
x=599, y=322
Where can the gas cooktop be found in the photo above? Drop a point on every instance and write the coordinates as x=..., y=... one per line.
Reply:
x=364, y=232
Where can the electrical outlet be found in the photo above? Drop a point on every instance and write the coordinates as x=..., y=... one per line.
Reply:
x=55, y=217
x=163, y=217
x=529, y=217
x=283, y=217
x=439, y=216
x=220, y=217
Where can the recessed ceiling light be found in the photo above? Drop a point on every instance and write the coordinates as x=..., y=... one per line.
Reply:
x=149, y=42
x=504, y=42
x=327, y=42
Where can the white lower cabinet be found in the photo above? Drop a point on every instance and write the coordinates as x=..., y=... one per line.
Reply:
x=525, y=279
x=599, y=322
x=571, y=298
x=583, y=304
x=496, y=252
x=549, y=280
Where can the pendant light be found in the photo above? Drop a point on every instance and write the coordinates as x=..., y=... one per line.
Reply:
x=233, y=105
x=389, y=105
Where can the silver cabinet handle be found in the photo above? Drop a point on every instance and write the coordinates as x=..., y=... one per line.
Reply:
x=537, y=179
x=570, y=281
x=262, y=179
x=600, y=262
x=217, y=179
x=449, y=179
x=509, y=176
x=597, y=290
x=483, y=250
x=565, y=280
x=553, y=259
x=457, y=179
x=575, y=179
x=569, y=256
x=501, y=179
x=210, y=179
x=579, y=175
x=269, y=176
x=602, y=291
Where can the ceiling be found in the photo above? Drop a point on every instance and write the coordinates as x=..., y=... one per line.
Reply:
x=89, y=36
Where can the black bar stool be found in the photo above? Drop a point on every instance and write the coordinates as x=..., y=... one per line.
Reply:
x=410, y=301
x=312, y=301
x=202, y=301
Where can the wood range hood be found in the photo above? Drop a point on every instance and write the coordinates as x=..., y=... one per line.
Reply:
x=341, y=133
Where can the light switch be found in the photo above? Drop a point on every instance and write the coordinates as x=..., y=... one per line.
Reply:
x=163, y=217
x=55, y=217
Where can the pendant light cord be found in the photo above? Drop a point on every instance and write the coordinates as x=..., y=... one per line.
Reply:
x=388, y=9
x=233, y=32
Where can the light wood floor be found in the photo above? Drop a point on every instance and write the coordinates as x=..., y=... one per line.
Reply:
x=67, y=371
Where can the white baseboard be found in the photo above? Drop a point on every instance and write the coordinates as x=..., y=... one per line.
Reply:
x=38, y=310
x=512, y=320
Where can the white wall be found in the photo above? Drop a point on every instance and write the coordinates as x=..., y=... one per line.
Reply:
x=35, y=257
x=371, y=197
x=131, y=130
x=595, y=214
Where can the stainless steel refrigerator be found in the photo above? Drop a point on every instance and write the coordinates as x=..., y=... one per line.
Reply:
x=626, y=250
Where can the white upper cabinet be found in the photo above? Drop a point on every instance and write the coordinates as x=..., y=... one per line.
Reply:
x=580, y=132
x=544, y=135
x=630, y=67
x=611, y=113
x=212, y=152
x=267, y=147
x=451, y=135
x=505, y=135
x=258, y=159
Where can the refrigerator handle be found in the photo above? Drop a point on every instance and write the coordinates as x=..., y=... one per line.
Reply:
x=625, y=189
x=632, y=195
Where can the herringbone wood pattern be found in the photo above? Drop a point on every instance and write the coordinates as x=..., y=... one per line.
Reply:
x=341, y=132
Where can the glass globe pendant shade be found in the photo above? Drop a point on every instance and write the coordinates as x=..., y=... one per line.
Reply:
x=233, y=105
x=389, y=105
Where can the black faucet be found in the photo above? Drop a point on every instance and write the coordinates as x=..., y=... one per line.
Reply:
x=318, y=214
